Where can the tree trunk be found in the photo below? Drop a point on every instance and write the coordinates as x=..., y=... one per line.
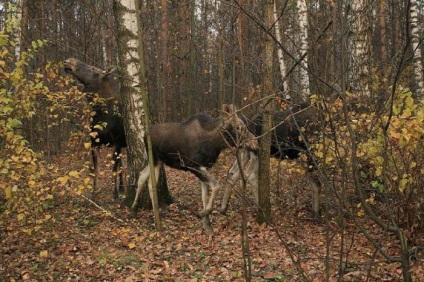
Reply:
x=303, y=48
x=416, y=48
x=192, y=58
x=264, y=210
x=126, y=23
x=361, y=49
x=18, y=34
x=165, y=64
x=280, y=53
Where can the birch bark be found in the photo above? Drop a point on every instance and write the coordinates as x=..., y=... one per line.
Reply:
x=416, y=48
x=303, y=47
x=361, y=49
x=134, y=95
x=280, y=53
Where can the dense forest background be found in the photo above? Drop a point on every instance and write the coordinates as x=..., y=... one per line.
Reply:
x=359, y=62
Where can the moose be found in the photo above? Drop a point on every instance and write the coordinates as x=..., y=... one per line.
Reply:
x=195, y=145
x=288, y=141
x=107, y=127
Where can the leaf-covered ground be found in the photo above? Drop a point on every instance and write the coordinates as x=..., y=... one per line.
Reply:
x=83, y=243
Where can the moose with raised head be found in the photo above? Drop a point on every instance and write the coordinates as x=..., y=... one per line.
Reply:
x=195, y=145
x=107, y=127
x=288, y=141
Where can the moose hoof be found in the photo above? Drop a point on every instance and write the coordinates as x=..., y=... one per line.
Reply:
x=223, y=211
x=204, y=213
x=207, y=226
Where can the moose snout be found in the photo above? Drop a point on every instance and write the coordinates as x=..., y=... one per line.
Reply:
x=69, y=65
x=252, y=142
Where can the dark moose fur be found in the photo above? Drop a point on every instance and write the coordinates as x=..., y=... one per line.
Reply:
x=195, y=145
x=290, y=130
x=106, y=122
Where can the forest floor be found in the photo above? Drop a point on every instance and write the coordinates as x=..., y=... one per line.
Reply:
x=83, y=243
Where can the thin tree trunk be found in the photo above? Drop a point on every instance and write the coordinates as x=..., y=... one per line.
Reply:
x=416, y=48
x=18, y=30
x=280, y=53
x=383, y=32
x=165, y=69
x=264, y=211
x=360, y=69
x=192, y=58
x=303, y=47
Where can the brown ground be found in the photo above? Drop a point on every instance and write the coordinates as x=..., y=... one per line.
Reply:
x=86, y=244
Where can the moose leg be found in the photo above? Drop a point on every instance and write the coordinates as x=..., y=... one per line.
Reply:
x=143, y=177
x=95, y=169
x=252, y=175
x=157, y=171
x=117, y=173
x=206, y=223
x=232, y=175
x=214, y=186
x=316, y=188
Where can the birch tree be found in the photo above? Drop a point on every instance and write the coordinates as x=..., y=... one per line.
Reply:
x=134, y=93
x=416, y=48
x=361, y=49
x=280, y=52
x=18, y=34
x=303, y=47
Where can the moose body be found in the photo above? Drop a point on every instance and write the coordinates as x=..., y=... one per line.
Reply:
x=288, y=141
x=107, y=127
x=195, y=145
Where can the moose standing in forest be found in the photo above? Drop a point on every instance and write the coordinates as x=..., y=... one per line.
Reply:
x=288, y=141
x=107, y=127
x=195, y=145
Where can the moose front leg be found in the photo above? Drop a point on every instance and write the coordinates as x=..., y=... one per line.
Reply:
x=117, y=174
x=214, y=186
x=95, y=169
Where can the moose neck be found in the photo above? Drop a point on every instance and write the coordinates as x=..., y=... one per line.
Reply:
x=228, y=135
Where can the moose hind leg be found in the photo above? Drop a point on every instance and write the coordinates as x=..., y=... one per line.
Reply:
x=142, y=178
x=212, y=184
x=206, y=223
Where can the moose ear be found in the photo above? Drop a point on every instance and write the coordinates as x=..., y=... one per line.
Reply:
x=110, y=71
x=229, y=109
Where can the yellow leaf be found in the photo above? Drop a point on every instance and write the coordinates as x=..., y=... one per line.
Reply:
x=21, y=216
x=44, y=254
x=8, y=192
x=131, y=245
x=87, y=145
x=74, y=173
x=63, y=179
x=406, y=113
x=47, y=217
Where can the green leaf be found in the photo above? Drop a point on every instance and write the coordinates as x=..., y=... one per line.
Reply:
x=14, y=123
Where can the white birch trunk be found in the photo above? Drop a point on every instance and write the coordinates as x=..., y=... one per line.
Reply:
x=303, y=46
x=18, y=35
x=136, y=108
x=132, y=58
x=280, y=53
x=361, y=49
x=416, y=48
